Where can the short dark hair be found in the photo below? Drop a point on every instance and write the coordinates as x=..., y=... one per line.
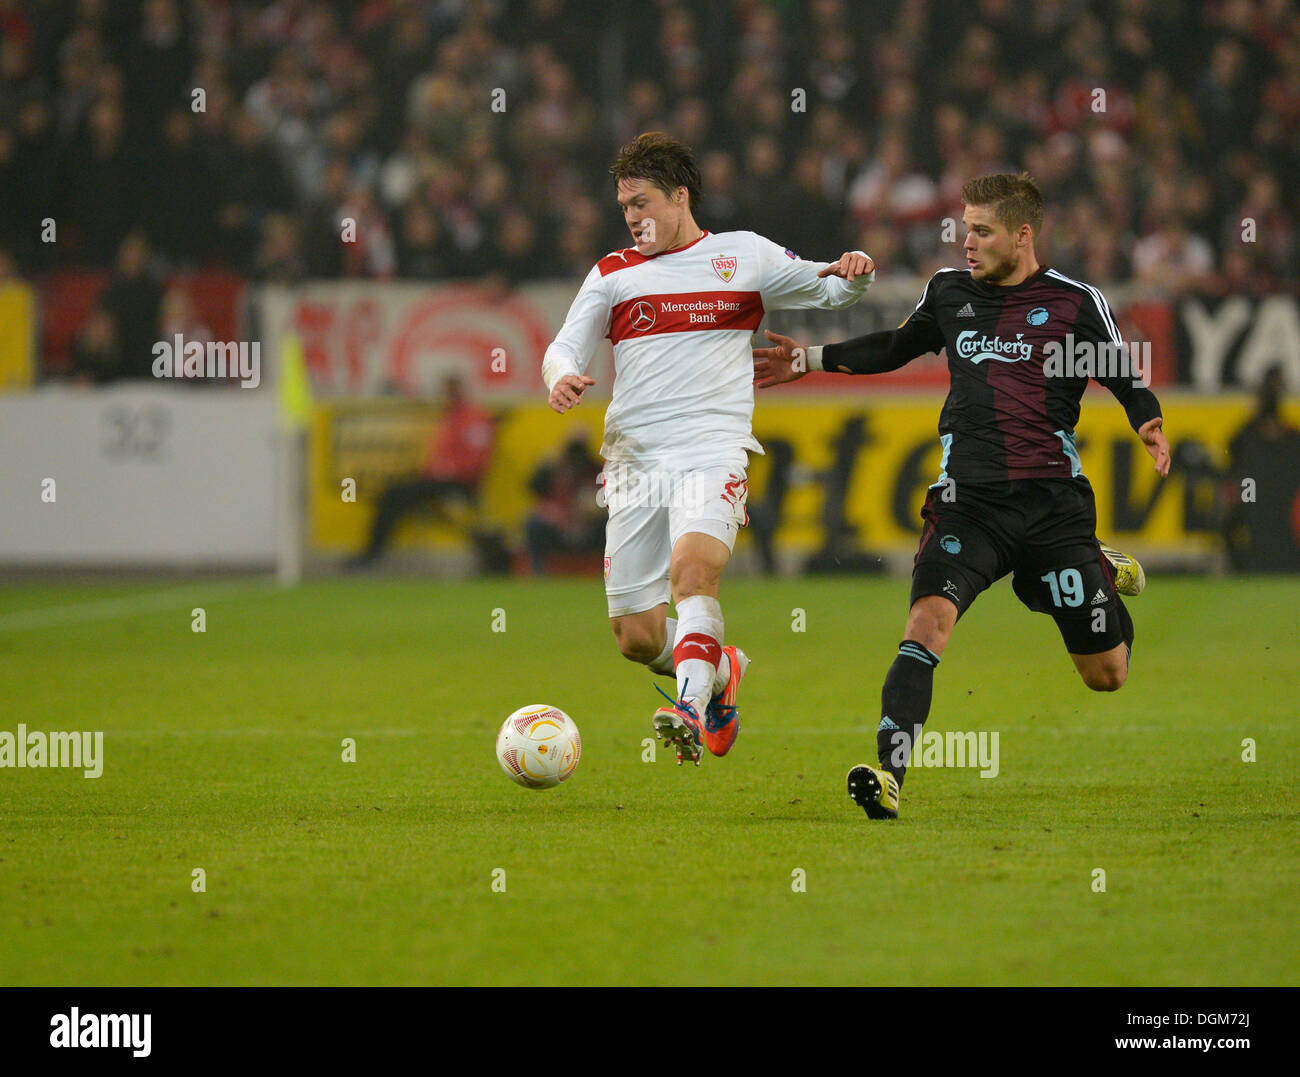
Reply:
x=663, y=161
x=1015, y=198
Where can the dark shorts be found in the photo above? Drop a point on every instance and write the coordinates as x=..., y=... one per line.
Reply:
x=1042, y=530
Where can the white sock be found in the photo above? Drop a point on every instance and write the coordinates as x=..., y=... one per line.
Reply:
x=663, y=665
x=698, y=650
x=666, y=667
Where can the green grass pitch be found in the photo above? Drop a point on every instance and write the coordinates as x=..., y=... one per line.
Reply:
x=223, y=751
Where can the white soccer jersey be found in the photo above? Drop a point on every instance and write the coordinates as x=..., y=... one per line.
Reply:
x=680, y=323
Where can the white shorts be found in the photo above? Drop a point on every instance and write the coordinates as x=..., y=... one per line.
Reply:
x=650, y=510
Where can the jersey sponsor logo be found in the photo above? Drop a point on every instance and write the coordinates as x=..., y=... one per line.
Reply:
x=978, y=347
x=950, y=589
x=791, y=255
x=1099, y=599
x=1037, y=316
x=966, y=312
x=684, y=312
x=950, y=544
x=725, y=268
x=643, y=317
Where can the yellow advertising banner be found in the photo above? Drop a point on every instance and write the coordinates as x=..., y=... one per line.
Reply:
x=17, y=335
x=861, y=464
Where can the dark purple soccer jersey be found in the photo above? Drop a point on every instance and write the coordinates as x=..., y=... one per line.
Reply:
x=1006, y=416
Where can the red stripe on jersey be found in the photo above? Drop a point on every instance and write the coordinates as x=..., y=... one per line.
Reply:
x=684, y=312
x=612, y=263
x=629, y=256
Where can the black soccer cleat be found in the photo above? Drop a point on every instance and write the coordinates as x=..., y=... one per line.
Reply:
x=874, y=791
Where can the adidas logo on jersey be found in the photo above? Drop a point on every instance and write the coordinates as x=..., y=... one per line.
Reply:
x=966, y=312
x=1099, y=599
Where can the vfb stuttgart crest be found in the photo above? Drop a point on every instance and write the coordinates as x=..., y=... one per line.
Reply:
x=725, y=268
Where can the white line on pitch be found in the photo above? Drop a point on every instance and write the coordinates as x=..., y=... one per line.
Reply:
x=127, y=606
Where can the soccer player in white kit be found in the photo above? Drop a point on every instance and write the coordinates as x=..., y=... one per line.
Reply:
x=679, y=308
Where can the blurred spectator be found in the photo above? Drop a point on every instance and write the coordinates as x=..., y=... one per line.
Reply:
x=567, y=517
x=721, y=207
x=96, y=354
x=102, y=184
x=178, y=317
x=766, y=195
x=1261, y=527
x=1173, y=258
x=132, y=300
x=459, y=456
x=182, y=224
x=421, y=252
x=251, y=184
x=279, y=254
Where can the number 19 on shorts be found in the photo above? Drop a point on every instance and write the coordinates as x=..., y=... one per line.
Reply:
x=1066, y=585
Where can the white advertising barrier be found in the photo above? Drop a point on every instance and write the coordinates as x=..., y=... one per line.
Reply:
x=363, y=338
x=138, y=475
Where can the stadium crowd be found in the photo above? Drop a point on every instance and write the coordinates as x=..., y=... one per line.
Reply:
x=471, y=138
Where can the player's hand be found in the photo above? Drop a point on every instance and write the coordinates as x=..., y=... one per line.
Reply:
x=568, y=392
x=849, y=265
x=1154, y=439
x=788, y=361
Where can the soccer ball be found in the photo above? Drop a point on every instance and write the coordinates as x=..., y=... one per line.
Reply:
x=539, y=746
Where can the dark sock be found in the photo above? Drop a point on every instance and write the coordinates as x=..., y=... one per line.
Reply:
x=904, y=706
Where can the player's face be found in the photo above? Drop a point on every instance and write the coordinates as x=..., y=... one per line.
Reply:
x=653, y=218
x=992, y=251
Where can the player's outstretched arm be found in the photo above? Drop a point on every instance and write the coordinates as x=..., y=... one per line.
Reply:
x=567, y=392
x=789, y=282
x=875, y=353
x=850, y=265
x=1153, y=437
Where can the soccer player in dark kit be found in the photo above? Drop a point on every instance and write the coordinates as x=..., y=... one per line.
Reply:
x=1022, y=341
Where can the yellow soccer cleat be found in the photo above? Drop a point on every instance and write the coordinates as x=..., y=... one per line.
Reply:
x=1129, y=577
x=874, y=791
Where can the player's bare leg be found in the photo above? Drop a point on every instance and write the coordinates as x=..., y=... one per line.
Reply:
x=930, y=622
x=643, y=637
x=1105, y=672
x=904, y=705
